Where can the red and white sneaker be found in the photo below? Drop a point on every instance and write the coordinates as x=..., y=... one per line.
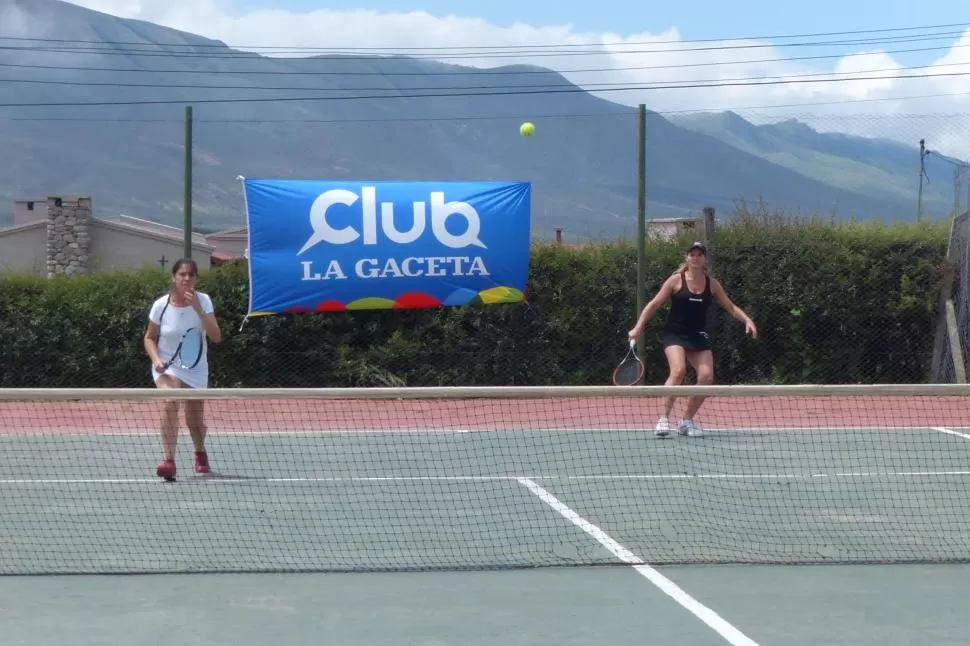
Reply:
x=166, y=470
x=201, y=462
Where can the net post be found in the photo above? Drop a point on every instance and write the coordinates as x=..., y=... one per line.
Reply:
x=953, y=337
x=709, y=233
x=950, y=321
x=948, y=332
x=708, y=237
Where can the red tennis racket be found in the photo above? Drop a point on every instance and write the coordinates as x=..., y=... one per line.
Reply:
x=631, y=370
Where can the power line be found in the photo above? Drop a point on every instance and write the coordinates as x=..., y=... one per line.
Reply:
x=574, y=115
x=612, y=51
x=630, y=112
x=619, y=113
x=938, y=95
x=522, y=91
x=466, y=71
x=207, y=86
x=855, y=32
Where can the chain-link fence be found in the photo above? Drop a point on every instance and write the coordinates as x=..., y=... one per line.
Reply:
x=832, y=305
x=834, y=301
x=827, y=162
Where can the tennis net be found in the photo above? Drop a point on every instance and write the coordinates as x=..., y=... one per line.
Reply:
x=484, y=477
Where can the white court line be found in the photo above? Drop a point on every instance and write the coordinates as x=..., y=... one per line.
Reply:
x=671, y=589
x=942, y=429
x=496, y=478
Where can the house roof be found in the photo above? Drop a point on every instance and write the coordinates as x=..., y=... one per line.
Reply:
x=17, y=228
x=129, y=224
x=241, y=231
x=678, y=218
x=116, y=225
x=167, y=234
x=149, y=225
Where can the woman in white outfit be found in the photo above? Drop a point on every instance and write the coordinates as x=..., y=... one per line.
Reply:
x=169, y=318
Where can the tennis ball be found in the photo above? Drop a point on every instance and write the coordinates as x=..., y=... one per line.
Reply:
x=527, y=129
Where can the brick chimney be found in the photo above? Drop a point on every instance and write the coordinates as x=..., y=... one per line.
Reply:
x=68, y=235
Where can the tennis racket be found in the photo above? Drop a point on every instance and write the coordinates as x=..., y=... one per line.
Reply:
x=189, y=351
x=631, y=370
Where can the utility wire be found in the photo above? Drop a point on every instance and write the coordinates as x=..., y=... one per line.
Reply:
x=405, y=94
x=220, y=45
x=464, y=72
x=207, y=86
x=896, y=116
x=612, y=50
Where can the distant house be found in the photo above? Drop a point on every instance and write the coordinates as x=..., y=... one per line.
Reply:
x=230, y=245
x=60, y=235
x=664, y=228
x=669, y=228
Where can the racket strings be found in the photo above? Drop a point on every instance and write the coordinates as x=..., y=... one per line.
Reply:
x=192, y=347
x=628, y=373
x=189, y=351
x=631, y=370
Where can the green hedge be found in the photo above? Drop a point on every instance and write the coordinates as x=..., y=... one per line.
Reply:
x=853, y=304
x=847, y=304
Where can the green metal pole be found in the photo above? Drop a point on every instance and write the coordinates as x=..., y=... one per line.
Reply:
x=187, y=225
x=641, y=215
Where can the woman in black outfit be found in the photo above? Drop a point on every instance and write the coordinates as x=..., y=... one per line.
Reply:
x=685, y=339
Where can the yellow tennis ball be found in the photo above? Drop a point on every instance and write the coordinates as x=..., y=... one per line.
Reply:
x=527, y=129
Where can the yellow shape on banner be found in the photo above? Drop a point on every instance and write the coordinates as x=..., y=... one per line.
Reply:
x=371, y=303
x=500, y=295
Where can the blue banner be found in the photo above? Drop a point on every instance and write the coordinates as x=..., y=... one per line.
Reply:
x=326, y=246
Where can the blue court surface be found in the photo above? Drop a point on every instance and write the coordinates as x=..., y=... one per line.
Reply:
x=796, y=537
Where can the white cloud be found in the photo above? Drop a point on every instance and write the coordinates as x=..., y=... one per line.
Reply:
x=15, y=22
x=857, y=106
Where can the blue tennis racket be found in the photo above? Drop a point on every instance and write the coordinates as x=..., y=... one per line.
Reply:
x=189, y=351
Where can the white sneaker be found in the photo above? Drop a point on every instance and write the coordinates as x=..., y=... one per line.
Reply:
x=689, y=428
x=662, y=429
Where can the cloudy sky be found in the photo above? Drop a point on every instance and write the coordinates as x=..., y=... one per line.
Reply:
x=749, y=55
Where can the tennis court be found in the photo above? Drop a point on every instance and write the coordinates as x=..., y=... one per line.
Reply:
x=423, y=518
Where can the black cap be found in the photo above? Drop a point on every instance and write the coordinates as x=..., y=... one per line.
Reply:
x=698, y=245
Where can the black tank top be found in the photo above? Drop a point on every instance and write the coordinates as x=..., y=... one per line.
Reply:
x=688, y=311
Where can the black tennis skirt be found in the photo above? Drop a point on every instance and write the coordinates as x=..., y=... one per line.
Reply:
x=688, y=341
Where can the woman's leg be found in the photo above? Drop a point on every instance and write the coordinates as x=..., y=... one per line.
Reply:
x=677, y=365
x=169, y=428
x=195, y=420
x=703, y=363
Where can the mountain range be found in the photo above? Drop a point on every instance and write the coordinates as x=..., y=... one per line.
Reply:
x=101, y=102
